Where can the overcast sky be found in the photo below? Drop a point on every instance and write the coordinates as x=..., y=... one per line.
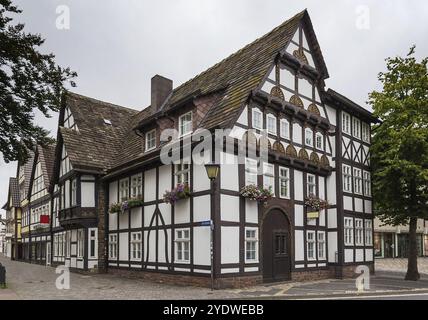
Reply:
x=117, y=46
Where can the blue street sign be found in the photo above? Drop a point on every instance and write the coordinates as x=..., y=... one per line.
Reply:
x=206, y=223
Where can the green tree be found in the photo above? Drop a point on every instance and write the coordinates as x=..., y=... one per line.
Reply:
x=29, y=81
x=400, y=148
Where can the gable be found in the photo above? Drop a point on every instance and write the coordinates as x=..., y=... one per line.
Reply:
x=38, y=188
x=65, y=164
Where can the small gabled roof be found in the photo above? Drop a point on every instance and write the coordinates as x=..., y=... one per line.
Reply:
x=28, y=169
x=46, y=156
x=97, y=142
x=13, y=198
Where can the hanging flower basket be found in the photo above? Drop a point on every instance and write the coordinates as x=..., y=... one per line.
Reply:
x=261, y=195
x=315, y=205
x=126, y=205
x=182, y=191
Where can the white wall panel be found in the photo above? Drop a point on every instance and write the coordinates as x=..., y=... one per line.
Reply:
x=332, y=246
x=182, y=211
x=202, y=246
x=112, y=195
x=369, y=255
x=331, y=189
x=202, y=208
x=164, y=180
x=332, y=218
x=358, y=205
x=229, y=172
x=243, y=118
x=229, y=245
x=200, y=178
x=251, y=211
x=368, y=206
x=136, y=217
x=359, y=255
x=165, y=210
x=150, y=185
x=112, y=221
x=148, y=214
x=298, y=185
x=124, y=220
x=229, y=208
x=347, y=203
x=88, y=194
x=123, y=246
x=298, y=215
x=299, y=253
x=349, y=255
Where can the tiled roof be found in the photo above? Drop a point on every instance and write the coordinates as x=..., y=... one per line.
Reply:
x=47, y=159
x=28, y=167
x=96, y=143
x=14, y=192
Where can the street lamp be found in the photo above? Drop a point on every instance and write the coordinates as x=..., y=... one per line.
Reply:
x=212, y=172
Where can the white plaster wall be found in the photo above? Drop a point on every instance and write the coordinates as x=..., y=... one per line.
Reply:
x=369, y=255
x=123, y=220
x=229, y=208
x=123, y=246
x=112, y=221
x=298, y=185
x=332, y=218
x=164, y=180
x=299, y=253
x=88, y=194
x=229, y=173
x=237, y=132
x=358, y=204
x=150, y=185
x=161, y=246
x=165, y=210
x=182, y=211
x=359, y=255
x=112, y=192
x=229, y=245
x=321, y=184
x=251, y=211
x=148, y=214
x=202, y=246
x=349, y=255
x=298, y=215
x=331, y=112
x=347, y=203
x=332, y=246
x=368, y=206
x=136, y=217
x=243, y=118
x=345, y=143
x=200, y=178
x=150, y=245
x=322, y=218
x=331, y=189
x=202, y=208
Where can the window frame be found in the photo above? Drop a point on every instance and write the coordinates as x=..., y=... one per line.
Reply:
x=136, y=246
x=274, y=130
x=347, y=178
x=368, y=232
x=80, y=243
x=181, y=173
x=254, y=111
x=365, y=132
x=137, y=187
x=309, y=133
x=346, y=123
x=348, y=230
x=269, y=174
x=179, y=245
x=284, y=123
x=356, y=128
x=112, y=244
x=123, y=190
x=358, y=181
x=321, y=244
x=367, y=184
x=359, y=232
x=282, y=178
x=311, y=184
x=319, y=135
x=180, y=124
x=312, y=242
x=251, y=170
x=253, y=241
x=147, y=140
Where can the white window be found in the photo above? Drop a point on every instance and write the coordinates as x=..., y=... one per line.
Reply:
x=80, y=243
x=319, y=142
x=346, y=123
x=366, y=132
x=310, y=245
x=284, y=129
x=186, y=125
x=182, y=245
x=73, y=192
x=309, y=137
x=151, y=140
x=269, y=177
x=92, y=243
x=356, y=128
x=271, y=124
x=321, y=245
x=358, y=181
x=359, y=232
x=250, y=172
x=284, y=183
x=136, y=245
x=136, y=186
x=311, y=184
x=347, y=177
x=251, y=245
x=349, y=231
x=257, y=119
x=124, y=189
x=367, y=183
x=369, y=232
x=112, y=244
x=182, y=173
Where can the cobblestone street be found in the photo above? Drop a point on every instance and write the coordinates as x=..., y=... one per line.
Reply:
x=30, y=281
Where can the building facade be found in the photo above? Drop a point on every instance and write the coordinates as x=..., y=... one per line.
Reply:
x=393, y=241
x=13, y=247
x=2, y=238
x=119, y=203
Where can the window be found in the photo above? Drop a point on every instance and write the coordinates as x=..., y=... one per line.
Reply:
x=251, y=245
x=250, y=172
x=80, y=243
x=346, y=123
x=356, y=128
x=367, y=183
x=347, y=177
x=366, y=132
x=151, y=140
x=284, y=129
x=271, y=124
x=182, y=245
x=124, y=189
x=62, y=197
x=349, y=231
x=311, y=184
x=284, y=183
x=92, y=243
x=358, y=181
x=369, y=232
x=310, y=245
x=321, y=245
x=182, y=173
x=112, y=245
x=309, y=137
x=359, y=231
x=136, y=246
x=185, y=123
x=269, y=177
x=319, y=142
x=257, y=119
x=137, y=186
x=73, y=192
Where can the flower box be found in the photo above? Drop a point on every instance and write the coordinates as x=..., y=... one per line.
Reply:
x=254, y=193
x=182, y=191
x=126, y=205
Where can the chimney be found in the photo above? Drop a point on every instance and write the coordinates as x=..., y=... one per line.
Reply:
x=161, y=89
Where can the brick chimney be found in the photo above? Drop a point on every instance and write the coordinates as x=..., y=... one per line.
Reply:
x=161, y=89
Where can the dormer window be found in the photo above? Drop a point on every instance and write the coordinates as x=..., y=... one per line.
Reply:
x=151, y=140
x=185, y=124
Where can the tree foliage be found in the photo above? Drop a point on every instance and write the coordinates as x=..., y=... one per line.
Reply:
x=29, y=81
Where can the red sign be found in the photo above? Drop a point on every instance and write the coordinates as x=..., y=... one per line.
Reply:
x=44, y=219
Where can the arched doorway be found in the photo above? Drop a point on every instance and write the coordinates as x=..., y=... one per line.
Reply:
x=276, y=247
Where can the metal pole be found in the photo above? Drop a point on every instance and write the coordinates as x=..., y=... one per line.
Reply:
x=212, y=235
